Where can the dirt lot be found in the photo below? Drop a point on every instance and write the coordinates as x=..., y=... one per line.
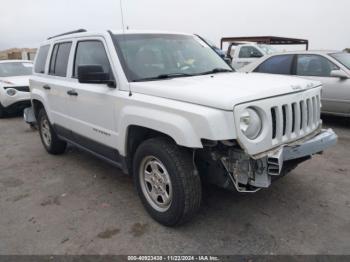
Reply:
x=76, y=204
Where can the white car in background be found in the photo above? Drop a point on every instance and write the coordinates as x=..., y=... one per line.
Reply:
x=332, y=68
x=14, y=85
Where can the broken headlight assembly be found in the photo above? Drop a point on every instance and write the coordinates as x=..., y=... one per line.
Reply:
x=250, y=123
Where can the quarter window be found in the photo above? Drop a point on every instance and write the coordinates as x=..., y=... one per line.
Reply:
x=91, y=53
x=314, y=65
x=59, y=59
x=281, y=64
x=41, y=59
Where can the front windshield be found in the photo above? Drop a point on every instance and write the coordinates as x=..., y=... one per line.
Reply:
x=15, y=69
x=155, y=56
x=343, y=58
x=267, y=49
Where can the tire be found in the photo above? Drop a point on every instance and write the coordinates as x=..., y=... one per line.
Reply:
x=49, y=138
x=177, y=179
x=2, y=111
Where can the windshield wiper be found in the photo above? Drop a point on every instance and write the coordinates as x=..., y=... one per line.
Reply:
x=216, y=70
x=163, y=76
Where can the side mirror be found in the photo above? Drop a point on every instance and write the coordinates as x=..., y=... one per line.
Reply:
x=339, y=73
x=94, y=74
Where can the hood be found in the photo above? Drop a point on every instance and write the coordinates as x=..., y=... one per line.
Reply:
x=15, y=80
x=223, y=90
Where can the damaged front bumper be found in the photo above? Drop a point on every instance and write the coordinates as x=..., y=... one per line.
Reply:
x=249, y=175
x=29, y=116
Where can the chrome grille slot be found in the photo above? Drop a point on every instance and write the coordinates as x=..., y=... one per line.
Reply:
x=309, y=112
x=314, y=113
x=273, y=117
x=295, y=119
x=318, y=107
x=301, y=114
x=304, y=115
x=284, y=113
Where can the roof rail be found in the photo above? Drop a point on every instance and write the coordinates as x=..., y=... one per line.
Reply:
x=68, y=33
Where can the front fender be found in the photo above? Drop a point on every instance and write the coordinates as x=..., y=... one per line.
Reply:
x=187, y=124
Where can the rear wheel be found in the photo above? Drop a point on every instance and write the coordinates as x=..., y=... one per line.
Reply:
x=166, y=182
x=49, y=138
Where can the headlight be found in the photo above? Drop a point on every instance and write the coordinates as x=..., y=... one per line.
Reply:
x=11, y=91
x=250, y=123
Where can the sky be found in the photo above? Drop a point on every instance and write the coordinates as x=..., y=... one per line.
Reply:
x=26, y=23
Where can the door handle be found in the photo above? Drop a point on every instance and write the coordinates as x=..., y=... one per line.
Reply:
x=46, y=87
x=72, y=93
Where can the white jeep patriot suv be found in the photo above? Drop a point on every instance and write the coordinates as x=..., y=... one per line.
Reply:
x=168, y=110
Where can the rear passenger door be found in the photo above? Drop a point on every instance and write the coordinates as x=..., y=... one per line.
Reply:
x=91, y=106
x=279, y=64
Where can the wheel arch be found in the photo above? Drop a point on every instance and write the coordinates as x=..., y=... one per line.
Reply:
x=135, y=135
x=37, y=106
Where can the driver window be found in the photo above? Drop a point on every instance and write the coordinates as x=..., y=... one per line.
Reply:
x=91, y=53
x=249, y=52
x=314, y=65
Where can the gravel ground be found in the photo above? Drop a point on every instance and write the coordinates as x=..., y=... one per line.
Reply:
x=76, y=204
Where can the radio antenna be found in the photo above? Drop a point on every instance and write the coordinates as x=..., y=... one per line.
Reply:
x=122, y=14
x=123, y=27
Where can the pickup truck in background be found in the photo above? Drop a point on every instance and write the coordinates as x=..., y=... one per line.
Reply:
x=245, y=50
x=246, y=53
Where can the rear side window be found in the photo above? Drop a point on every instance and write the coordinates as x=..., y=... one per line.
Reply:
x=59, y=59
x=41, y=59
x=281, y=64
x=91, y=53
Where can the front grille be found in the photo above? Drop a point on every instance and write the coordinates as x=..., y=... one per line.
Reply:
x=295, y=119
x=19, y=88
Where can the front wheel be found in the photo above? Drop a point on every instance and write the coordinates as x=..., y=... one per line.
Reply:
x=166, y=182
x=2, y=111
x=49, y=138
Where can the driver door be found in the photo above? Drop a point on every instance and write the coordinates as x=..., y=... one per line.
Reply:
x=92, y=106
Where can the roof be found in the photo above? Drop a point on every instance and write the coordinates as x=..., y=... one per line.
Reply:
x=148, y=32
x=83, y=32
x=105, y=33
x=271, y=40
